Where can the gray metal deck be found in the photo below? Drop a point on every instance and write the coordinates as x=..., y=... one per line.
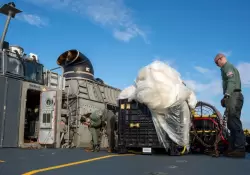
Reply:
x=56, y=161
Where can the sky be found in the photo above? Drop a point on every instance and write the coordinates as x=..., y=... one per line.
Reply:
x=122, y=36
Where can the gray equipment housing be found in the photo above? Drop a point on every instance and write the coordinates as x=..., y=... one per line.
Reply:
x=17, y=78
x=83, y=94
x=56, y=124
x=75, y=97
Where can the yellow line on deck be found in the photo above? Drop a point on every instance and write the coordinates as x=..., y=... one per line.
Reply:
x=73, y=163
x=1, y=161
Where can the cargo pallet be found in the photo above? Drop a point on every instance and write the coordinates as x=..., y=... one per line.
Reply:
x=136, y=130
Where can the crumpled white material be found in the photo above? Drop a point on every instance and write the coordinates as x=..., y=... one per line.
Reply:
x=161, y=88
x=127, y=93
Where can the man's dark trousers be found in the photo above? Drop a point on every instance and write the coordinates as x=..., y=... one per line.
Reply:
x=234, y=106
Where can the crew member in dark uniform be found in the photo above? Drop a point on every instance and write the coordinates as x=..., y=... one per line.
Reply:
x=110, y=118
x=233, y=101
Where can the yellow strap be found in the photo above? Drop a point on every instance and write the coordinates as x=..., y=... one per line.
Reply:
x=184, y=150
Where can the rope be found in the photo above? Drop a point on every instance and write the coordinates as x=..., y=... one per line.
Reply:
x=219, y=129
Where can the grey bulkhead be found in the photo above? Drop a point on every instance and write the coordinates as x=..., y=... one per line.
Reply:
x=91, y=96
x=25, y=87
x=84, y=91
x=10, y=91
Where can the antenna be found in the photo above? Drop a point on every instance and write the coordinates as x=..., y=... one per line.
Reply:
x=10, y=11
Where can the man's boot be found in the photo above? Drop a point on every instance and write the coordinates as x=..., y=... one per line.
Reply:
x=110, y=150
x=96, y=148
x=89, y=149
x=93, y=148
x=237, y=154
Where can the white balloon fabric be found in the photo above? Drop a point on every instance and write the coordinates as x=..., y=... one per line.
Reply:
x=161, y=88
x=127, y=93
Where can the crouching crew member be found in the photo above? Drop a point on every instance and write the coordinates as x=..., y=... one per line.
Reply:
x=93, y=121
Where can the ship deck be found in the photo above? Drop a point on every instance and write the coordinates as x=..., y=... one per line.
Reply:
x=78, y=162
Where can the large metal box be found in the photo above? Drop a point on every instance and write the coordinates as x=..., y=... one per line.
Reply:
x=135, y=126
x=32, y=86
x=10, y=92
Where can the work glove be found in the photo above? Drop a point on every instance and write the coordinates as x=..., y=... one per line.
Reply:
x=223, y=101
x=87, y=123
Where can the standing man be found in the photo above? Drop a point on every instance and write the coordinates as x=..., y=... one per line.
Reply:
x=233, y=102
x=109, y=117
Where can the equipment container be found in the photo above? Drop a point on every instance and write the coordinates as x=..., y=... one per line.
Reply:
x=136, y=130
